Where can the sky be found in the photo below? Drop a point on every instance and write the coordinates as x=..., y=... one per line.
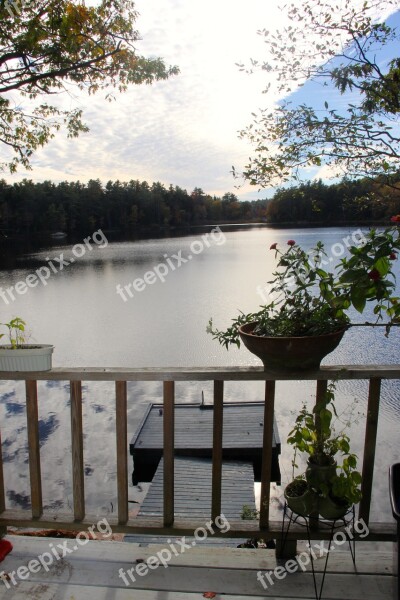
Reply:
x=183, y=131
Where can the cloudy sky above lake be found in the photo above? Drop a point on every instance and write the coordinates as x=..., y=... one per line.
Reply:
x=183, y=131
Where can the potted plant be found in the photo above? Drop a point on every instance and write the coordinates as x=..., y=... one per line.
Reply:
x=334, y=487
x=20, y=356
x=300, y=497
x=307, y=317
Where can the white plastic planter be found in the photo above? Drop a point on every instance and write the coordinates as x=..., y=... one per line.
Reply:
x=32, y=357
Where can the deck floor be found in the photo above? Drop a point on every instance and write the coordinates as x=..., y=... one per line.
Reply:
x=93, y=572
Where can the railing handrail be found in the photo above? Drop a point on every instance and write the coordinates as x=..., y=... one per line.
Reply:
x=218, y=373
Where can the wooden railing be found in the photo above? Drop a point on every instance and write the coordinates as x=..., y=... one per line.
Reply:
x=121, y=522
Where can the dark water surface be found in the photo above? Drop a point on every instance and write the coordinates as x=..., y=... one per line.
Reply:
x=160, y=320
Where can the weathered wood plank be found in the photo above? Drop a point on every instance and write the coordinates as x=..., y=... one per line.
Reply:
x=27, y=590
x=248, y=373
x=383, y=532
x=32, y=418
x=122, y=449
x=78, y=481
x=79, y=569
x=368, y=561
x=168, y=453
x=3, y=530
x=216, y=484
x=320, y=396
x=371, y=432
x=266, y=468
x=193, y=489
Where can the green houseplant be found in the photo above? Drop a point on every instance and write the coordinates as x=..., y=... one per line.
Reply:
x=332, y=486
x=308, y=314
x=19, y=355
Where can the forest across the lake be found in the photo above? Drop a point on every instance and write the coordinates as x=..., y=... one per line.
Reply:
x=28, y=208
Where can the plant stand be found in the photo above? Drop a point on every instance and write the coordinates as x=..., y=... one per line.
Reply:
x=347, y=521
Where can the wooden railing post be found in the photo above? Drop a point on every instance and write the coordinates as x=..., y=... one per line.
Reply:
x=122, y=450
x=39, y=519
x=217, y=449
x=371, y=430
x=3, y=530
x=78, y=481
x=32, y=418
x=322, y=387
x=169, y=443
x=267, y=453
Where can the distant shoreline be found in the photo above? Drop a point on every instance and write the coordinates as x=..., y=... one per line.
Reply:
x=9, y=238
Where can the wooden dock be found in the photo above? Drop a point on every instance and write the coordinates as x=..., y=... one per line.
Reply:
x=193, y=478
x=242, y=437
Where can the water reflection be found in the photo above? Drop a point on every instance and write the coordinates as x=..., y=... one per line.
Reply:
x=79, y=311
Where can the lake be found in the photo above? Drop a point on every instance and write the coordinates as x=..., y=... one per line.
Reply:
x=147, y=303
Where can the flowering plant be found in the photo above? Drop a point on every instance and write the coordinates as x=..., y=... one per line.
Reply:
x=309, y=301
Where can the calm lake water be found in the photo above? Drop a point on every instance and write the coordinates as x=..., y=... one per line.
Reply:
x=168, y=290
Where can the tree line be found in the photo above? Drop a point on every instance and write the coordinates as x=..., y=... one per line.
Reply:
x=28, y=208
x=360, y=201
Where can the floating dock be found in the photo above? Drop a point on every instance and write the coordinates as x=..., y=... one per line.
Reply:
x=243, y=425
x=192, y=487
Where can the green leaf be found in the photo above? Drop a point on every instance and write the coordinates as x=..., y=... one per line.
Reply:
x=382, y=265
x=358, y=298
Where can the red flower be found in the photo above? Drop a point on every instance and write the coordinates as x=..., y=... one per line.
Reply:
x=393, y=256
x=291, y=242
x=273, y=246
x=395, y=219
x=374, y=275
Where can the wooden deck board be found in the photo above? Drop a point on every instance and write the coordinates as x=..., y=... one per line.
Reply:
x=38, y=591
x=92, y=571
x=193, y=489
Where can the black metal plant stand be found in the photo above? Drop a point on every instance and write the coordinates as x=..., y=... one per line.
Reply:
x=347, y=522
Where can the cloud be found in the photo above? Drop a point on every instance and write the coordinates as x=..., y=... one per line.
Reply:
x=182, y=131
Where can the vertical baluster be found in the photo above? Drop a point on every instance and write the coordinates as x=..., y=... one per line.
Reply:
x=33, y=448
x=267, y=453
x=3, y=530
x=371, y=429
x=122, y=450
x=169, y=434
x=2, y=492
x=217, y=449
x=322, y=387
x=78, y=482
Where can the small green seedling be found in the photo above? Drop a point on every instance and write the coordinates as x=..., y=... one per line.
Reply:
x=16, y=332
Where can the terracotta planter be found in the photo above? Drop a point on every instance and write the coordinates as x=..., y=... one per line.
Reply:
x=290, y=353
x=30, y=357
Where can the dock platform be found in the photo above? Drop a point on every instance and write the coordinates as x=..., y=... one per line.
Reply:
x=242, y=437
x=193, y=479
